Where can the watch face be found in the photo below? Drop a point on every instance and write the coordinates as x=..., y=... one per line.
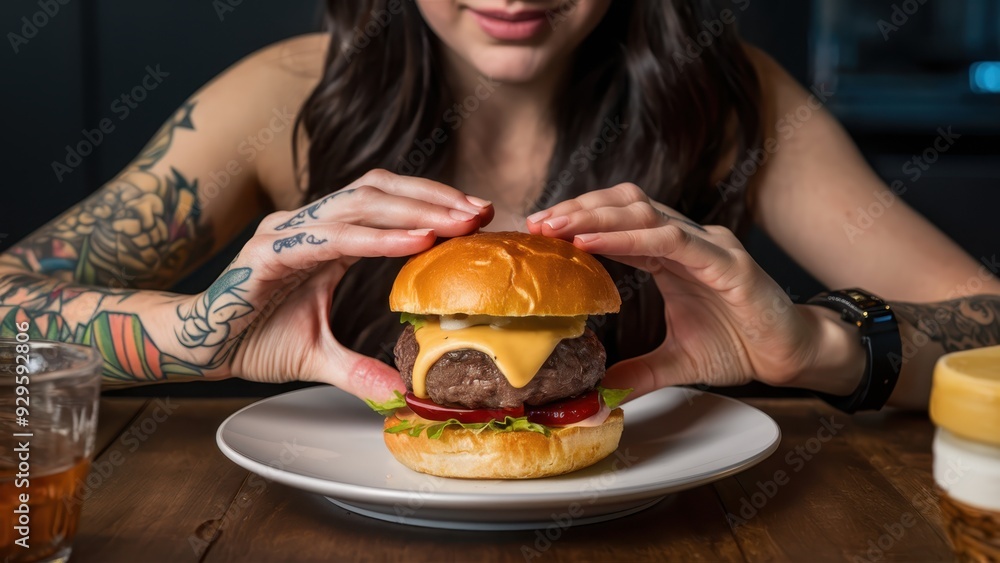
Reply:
x=863, y=301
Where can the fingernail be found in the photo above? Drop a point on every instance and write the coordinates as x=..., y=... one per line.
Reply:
x=480, y=203
x=590, y=237
x=420, y=232
x=460, y=215
x=536, y=217
x=557, y=223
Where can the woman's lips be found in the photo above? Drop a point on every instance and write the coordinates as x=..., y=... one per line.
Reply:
x=507, y=26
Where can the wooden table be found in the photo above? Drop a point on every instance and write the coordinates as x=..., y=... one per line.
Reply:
x=160, y=490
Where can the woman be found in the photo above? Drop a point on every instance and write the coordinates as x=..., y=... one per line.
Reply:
x=621, y=126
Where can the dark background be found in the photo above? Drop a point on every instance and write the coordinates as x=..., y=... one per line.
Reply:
x=892, y=92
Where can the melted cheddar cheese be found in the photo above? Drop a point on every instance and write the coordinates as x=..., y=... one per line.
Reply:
x=518, y=348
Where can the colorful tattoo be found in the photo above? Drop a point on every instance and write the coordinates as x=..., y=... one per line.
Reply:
x=143, y=229
x=48, y=306
x=129, y=353
x=139, y=230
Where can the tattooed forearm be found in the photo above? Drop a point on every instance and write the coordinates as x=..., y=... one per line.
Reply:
x=959, y=324
x=289, y=242
x=56, y=310
x=141, y=230
x=300, y=217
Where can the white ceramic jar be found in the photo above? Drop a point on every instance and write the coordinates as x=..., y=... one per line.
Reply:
x=965, y=406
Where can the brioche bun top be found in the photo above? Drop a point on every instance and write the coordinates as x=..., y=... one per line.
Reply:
x=504, y=274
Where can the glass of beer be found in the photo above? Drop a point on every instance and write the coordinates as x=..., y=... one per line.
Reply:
x=49, y=394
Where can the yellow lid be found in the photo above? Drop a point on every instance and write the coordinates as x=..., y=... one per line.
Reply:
x=965, y=395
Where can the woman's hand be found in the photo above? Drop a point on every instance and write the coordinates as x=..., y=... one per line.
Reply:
x=267, y=316
x=727, y=321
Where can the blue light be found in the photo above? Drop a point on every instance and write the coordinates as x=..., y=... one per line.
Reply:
x=984, y=77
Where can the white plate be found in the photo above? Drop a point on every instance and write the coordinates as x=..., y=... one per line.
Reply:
x=325, y=441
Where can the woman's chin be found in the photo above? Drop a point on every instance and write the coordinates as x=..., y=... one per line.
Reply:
x=510, y=68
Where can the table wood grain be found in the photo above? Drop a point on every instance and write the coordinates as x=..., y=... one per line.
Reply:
x=838, y=488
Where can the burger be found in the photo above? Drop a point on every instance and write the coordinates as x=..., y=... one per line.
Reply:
x=501, y=370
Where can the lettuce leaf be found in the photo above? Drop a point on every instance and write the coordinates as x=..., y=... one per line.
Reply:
x=416, y=320
x=388, y=407
x=403, y=426
x=435, y=430
x=613, y=397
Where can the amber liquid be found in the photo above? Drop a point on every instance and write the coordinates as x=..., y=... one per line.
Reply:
x=54, y=510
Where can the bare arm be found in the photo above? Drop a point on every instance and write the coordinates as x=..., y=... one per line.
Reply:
x=81, y=277
x=807, y=197
x=144, y=228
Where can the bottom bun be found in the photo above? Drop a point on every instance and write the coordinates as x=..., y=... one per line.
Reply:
x=505, y=455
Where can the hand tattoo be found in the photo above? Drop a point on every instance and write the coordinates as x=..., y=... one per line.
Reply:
x=959, y=324
x=206, y=324
x=300, y=217
x=289, y=242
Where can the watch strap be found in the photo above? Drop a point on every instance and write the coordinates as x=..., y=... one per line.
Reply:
x=879, y=334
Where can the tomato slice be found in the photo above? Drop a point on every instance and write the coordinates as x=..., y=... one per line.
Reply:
x=566, y=411
x=430, y=410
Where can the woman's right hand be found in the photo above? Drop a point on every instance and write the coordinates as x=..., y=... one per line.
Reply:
x=267, y=316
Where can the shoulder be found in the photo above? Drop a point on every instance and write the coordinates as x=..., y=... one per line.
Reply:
x=778, y=90
x=796, y=130
x=785, y=102
x=288, y=70
x=279, y=78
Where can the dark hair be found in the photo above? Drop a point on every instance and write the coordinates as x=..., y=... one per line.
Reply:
x=686, y=91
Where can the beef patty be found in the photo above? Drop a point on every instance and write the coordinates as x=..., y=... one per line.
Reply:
x=470, y=379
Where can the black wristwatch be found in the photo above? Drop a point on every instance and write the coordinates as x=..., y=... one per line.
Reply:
x=879, y=336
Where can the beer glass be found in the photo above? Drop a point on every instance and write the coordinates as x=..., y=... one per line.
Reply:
x=49, y=394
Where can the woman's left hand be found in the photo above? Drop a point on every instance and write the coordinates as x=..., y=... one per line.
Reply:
x=728, y=322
